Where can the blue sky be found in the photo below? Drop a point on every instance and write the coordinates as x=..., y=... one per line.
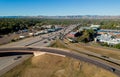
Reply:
x=59, y=7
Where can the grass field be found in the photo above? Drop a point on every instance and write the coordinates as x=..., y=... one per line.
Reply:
x=56, y=66
x=99, y=50
x=114, y=53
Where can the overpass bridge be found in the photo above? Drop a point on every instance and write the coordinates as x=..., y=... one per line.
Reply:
x=30, y=50
x=43, y=50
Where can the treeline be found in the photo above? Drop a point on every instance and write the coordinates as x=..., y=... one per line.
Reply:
x=105, y=23
x=9, y=25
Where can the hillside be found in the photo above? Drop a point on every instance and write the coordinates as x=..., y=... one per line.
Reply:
x=55, y=66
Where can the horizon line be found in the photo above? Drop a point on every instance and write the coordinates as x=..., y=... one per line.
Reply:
x=56, y=15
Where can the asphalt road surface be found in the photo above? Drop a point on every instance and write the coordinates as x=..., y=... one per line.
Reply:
x=8, y=62
x=71, y=54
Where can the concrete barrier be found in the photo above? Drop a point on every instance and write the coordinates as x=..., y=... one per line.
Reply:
x=38, y=53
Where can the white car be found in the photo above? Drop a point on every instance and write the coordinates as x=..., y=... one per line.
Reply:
x=21, y=37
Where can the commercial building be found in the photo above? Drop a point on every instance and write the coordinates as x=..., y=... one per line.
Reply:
x=108, y=38
x=115, y=33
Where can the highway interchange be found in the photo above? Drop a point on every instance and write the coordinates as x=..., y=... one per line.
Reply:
x=42, y=41
x=69, y=53
x=37, y=41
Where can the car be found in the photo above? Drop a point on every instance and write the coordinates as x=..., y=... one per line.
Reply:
x=21, y=37
x=112, y=69
x=45, y=41
x=16, y=58
x=104, y=56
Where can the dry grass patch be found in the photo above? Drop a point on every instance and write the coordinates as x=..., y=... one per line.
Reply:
x=100, y=50
x=56, y=66
x=58, y=44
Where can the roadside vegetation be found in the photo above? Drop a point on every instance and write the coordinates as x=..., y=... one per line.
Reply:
x=56, y=66
x=117, y=46
x=86, y=36
x=10, y=25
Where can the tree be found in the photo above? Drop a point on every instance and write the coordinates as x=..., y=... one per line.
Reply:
x=117, y=46
x=87, y=35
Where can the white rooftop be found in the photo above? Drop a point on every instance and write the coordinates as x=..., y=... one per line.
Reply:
x=96, y=26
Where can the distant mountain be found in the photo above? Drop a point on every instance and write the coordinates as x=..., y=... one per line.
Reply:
x=81, y=17
x=66, y=17
x=12, y=16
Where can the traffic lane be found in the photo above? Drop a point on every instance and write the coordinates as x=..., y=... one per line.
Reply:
x=45, y=41
x=28, y=41
x=42, y=43
x=9, y=60
x=7, y=63
x=22, y=42
x=86, y=59
x=41, y=38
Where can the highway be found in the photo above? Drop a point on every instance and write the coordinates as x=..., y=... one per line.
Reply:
x=35, y=43
x=8, y=62
x=28, y=41
x=39, y=41
x=68, y=53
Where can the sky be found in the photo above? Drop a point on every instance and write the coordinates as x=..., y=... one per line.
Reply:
x=59, y=7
